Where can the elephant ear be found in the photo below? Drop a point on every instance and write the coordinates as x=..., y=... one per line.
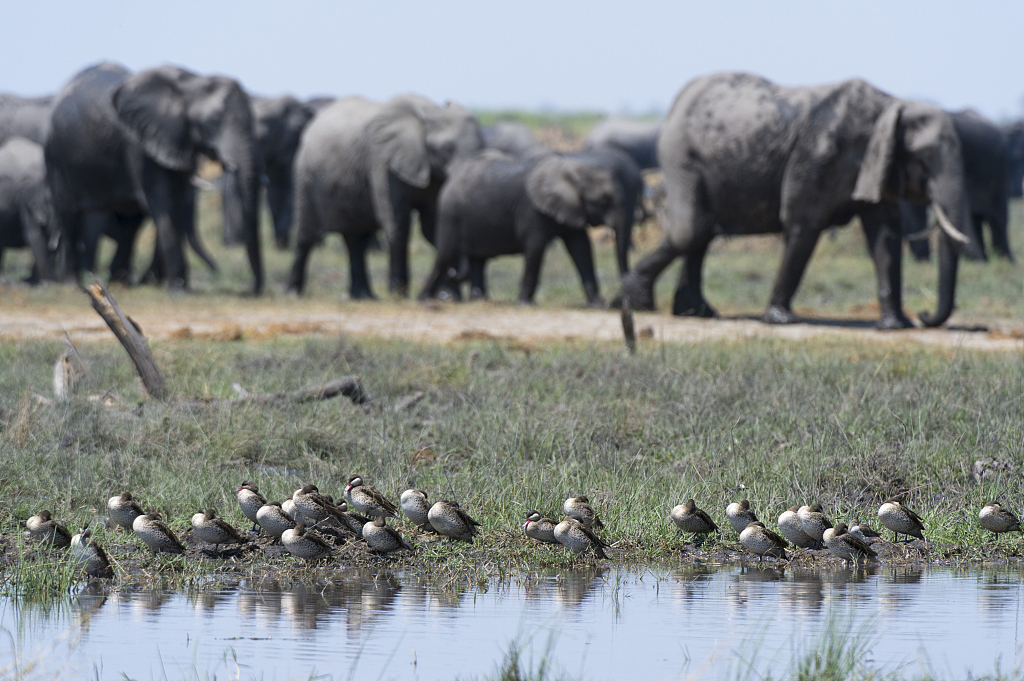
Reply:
x=399, y=136
x=155, y=108
x=554, y=188
x=874, y=169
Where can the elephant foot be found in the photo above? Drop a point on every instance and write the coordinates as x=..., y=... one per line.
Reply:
x=597, y=303
x=450, y=295
x=640, y=293
x=892, y=321
x=776, y=314
x=692, y=306
x=477, y=294
x=525, y=302
x=399, y=290
x=362, y=294
x=281, y=244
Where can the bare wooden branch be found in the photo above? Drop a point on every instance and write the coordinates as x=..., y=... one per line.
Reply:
x=628, y=328
x=130, y=336
x=347, y=386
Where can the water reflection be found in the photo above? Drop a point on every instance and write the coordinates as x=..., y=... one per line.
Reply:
x=382, y=618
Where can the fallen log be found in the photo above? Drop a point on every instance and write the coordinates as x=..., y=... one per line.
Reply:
x=347, y=386
x=130, y=336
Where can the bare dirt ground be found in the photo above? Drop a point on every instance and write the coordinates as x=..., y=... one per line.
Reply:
x=448, y=323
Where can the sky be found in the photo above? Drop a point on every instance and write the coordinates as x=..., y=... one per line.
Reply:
x=616, y=57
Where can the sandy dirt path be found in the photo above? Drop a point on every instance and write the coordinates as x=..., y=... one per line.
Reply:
x=449, y=323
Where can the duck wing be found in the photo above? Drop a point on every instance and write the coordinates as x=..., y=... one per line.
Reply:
x=776, y=539
x=706, y=519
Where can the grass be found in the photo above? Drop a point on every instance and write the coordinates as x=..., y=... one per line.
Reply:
x=505, y=429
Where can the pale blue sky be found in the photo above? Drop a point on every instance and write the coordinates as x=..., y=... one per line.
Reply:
x=622, y=56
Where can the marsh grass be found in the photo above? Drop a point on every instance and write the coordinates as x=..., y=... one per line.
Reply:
x=504, y=431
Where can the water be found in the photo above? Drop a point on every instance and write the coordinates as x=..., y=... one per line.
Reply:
x=597, y=624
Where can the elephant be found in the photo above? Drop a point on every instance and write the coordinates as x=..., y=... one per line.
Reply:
x=279, y=125
x=742, y=155
x=27, y=117
x=364, y=166
x=496, y=204
x=986, y=155
x=512, y=138
x=1015, y=141
x=639, y=139
x=128, y=145
x=25, y=211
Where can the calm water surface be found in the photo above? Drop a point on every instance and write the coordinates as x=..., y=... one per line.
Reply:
x=599, y=624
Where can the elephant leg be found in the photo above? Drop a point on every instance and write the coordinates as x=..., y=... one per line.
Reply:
x=534, y=249
x=128, y=230
x=94, y=225
x=885, y=247
x=689, y=298
x=398, y=249
x=800, y=243
x=978, y=221
x=168, y=198
x=478, y=278
x=577, y=242
x=638, y=283
x=297, y=278
x=35, y=237
x=998, y=223
x=279, y=199
x=428, y=221
x=914, y=226
x=359, y=275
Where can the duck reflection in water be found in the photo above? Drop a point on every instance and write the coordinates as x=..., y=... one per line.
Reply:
x=572, y=589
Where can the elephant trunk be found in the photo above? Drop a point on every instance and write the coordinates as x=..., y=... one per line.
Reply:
x=952, y=212
x=236, y=151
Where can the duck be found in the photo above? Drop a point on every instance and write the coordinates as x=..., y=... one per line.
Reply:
x=415, y=507
x=448, y=519
x=740, y=515
x=540, y=528
x=367, y=500
x=580, y=509
x=272, y=518
x=577, y=537
x=813, y=522
x=150, y=528
x=123, y=509
x=302, y=544
x=90, y=555
x=845, y=545
x=792, y=529
x=45, y=529
x=313, y=507
x=863, y=532
x=250, y=501
x=354, y=521
x=996, y=519
x=761, y=541
x=213, y=530
x=382, y=538
x=901, y=520
x=689, y=518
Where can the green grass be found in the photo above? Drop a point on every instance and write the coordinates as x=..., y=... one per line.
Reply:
x=505, y=431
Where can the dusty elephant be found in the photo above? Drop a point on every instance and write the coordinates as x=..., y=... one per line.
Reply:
x=497, y=204
x=639, y=139
x=127, y=144
x=25, y=211
x=741, y=155
x=987, y=168
x=364, y=166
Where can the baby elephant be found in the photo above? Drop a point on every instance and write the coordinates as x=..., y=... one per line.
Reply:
x=25, y=203
x=494, y=204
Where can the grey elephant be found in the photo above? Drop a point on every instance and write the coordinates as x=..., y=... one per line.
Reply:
x=496, y=204
x=1015, y=146
x=986, y=154
x=639, y=139
x=364, y=166
x=128, y=144
x=512, y=138
x=279, y=125
x=27, y=117
x=741, y=155
x=25, y=212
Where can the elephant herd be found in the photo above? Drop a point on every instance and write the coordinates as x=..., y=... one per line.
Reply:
x=738, y=155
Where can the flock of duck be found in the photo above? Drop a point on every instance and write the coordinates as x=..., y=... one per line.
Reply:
x=310, y=525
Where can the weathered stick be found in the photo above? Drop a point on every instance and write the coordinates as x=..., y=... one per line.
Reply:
x=628, y=328
x=348, y=386
x=130, y=336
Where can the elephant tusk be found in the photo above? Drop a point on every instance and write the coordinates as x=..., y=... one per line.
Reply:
x=919, y=235
x=947, y=226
